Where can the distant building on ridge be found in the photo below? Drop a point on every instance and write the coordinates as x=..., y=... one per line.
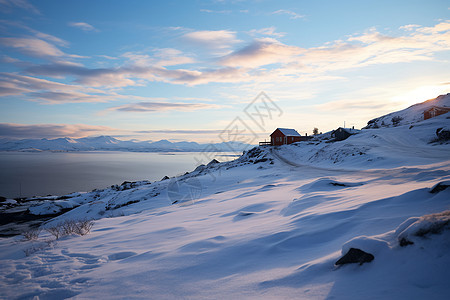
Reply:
x=435, y=111
x=341, y=133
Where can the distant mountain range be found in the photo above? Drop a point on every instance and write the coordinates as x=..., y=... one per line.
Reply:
x=108, y=143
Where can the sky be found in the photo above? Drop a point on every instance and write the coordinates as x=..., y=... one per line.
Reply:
x=200, y=70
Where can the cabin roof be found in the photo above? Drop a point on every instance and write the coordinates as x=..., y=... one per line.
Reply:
x=437, y=107
x=288, y=132
x=348, y=130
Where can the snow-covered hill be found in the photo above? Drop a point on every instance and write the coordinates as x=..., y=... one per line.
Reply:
x=271, y=224
x=410, y=115
x=108, y=143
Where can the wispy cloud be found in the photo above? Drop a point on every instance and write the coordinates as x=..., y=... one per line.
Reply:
x=31, y=46
x=262, y=60
x=100, y=77
x=216, y=11
x=196, y=77
x=83, y=26
x=46, y=91
x=13, y=130
x=262, y=52
x=161, y=57
x=8, y=5
x=291, y=14
x=54, y=97
x=38, y=47
x=129, y=75
x=41, y=35
x=357, y=51
x=218, y=39
x=409, y=27
x=372, y=47
x=269, y=31
x=161, y=106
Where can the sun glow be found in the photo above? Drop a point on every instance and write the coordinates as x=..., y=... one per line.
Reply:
x=422, y=93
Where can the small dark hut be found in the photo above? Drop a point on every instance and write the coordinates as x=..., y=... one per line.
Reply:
x=341, y=133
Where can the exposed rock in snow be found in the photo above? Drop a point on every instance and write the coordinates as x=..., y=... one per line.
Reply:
x=355, y=255
x=426, y=225
x=212, y=162
x=439, y=187
x=443, y=134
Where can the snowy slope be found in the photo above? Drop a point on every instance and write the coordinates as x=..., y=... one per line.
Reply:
x=409, y=115
x=270, y=224
x=374, y=148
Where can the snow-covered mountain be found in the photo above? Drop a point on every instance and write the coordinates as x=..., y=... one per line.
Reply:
x=410, y=115
x=276, y=223
x=108, y=143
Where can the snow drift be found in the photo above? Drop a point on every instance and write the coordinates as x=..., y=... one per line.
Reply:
x=271, y=224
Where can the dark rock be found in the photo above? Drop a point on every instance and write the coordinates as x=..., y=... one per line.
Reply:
x=122, y=204
x=254, y=152
x=435, y=228
x=405, y=242
x=355, y=255
x=200, y=168
x=260, y=160
x=442, y=134
x=213, y=162
x=165, y=178
x=439, y=187
x=337, y=184
x=396, y=120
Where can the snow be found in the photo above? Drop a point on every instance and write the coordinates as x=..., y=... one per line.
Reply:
x=410, y=115
x=270, y=224
x=434, y=223
x=289, y=132
x=381, y=147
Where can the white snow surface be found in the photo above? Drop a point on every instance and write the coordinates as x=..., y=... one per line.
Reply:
x=410, y=115
x=268, y=225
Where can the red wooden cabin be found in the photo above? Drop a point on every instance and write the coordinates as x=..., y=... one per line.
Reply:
x=284, y=136
x=435, y=111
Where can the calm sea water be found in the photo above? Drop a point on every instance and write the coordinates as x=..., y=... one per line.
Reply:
x=28, y=174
